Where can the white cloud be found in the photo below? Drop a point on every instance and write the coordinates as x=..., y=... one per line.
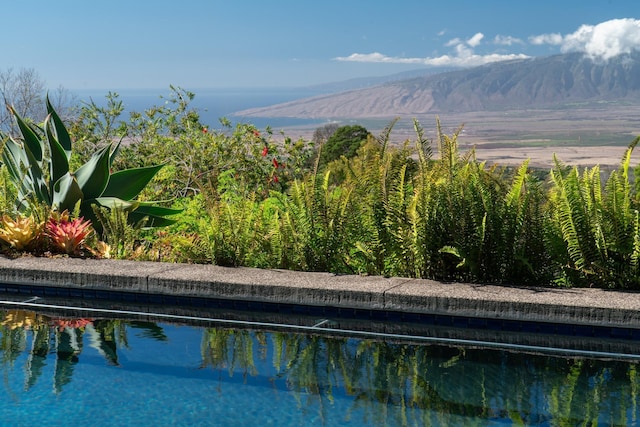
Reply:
x=454, y=42
x=376, y=57
x=475, y=40
x=464, y=58
x=602, y=41
x=554, y=39
x=507, y=40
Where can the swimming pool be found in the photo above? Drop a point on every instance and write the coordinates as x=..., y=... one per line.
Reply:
x=97, y=369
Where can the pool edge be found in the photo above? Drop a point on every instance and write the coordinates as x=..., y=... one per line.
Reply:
x=577, y=306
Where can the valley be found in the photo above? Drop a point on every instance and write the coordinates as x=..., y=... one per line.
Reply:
x=585, y=136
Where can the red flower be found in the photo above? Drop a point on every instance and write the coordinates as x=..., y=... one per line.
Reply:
x=265, y=151
x=61, y=324
x=275, y=179
x=275, y=163
x=205, y=130
x=256, y=133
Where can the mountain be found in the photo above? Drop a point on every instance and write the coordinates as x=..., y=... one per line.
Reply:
x=525, y=83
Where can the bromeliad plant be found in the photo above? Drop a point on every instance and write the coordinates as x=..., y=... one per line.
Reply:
x=68, y=235
x=20, y=233
x=38, y=165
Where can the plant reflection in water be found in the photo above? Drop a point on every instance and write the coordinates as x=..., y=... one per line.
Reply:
x=387, y=383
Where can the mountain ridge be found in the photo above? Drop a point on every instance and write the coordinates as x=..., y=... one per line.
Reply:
x=543, y=82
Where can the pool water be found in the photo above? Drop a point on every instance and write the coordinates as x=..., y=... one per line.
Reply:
x=59, y=371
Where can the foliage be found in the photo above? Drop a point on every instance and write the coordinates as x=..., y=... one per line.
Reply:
x=381, y=179
x=38, y=165
x=350, y=203
x=594, y=233
x=94, y=126
x=196, y=154
x=118, y=232
x=345, y=141
x=315, y=224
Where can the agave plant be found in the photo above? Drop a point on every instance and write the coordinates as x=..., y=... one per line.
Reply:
x=21, y=231
x=38, y=165
x=68, y=235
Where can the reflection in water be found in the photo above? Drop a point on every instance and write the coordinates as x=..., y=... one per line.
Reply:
x=386, y=383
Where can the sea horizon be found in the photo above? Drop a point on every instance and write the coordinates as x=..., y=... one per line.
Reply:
x=211, y=103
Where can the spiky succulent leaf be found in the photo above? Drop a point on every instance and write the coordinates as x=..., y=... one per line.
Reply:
x=128, y=183
x=148, y=208
x=31, y=140
x=62, y=135
x=15, y=158
x=138, y=211
x=93, y=176
x=58, y=160
x=38, y=183
x=114, y=202
x=66, y=193
x=114, y=153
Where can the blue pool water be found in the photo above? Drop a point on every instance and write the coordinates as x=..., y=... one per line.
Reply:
x=59, y=371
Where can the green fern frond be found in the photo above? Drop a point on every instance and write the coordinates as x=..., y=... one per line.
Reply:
x=423, y=147
x=514, y=198
x=384, y=137
x=635, y=254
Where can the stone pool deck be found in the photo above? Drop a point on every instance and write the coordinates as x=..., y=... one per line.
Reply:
x=589, y=307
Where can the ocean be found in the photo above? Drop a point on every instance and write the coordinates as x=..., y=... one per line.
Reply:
x=212, y=104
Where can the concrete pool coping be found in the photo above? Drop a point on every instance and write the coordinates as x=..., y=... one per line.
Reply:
x=576, y=306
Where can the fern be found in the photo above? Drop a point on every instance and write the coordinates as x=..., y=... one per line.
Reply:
x=117, y=231
x=423, y=147
x=385, y=135
x=598, y=228
x=635, y=253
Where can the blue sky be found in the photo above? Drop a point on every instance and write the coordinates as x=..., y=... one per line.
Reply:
x=125, y=44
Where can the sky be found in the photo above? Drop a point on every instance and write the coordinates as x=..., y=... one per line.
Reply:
x=140, y=44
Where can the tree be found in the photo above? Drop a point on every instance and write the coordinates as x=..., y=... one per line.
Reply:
x=345, y=141
x=323, y=133
x=25, y=91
